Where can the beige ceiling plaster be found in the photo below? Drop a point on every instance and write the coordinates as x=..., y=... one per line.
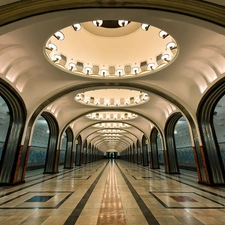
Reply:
x=185, y=80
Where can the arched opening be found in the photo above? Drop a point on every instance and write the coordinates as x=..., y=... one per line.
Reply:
x=219, y=126
x=178, y=136
x=111, y=155
x=4, y=123
x=129, y=153
x=78, y=158
x=44, y=143
x=145, y=155
x=154, y=159
x=63, y=148
x=211, y=153
x=160, y=149
x=92, y=153
x=139, y=153
x=183, y=145
x=89, y=153
x=170, y=144
x=12, y=166
x=85, y=153
x=52, y=157
x=39, y=144
x=134, y=153
x=69, y=154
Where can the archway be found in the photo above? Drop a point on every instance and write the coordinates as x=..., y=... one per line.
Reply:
x=89, y=153
x=4, y=123
x=219, y=126
x=69, y=155
x=154, y=159
x=213, y=164
x=92, y=153
x=145, y=156
x=135, y=152
x=171, y=155
x=63, y=148
x=183, y=145
x=85, y=153
x=11, y=168
x=139, y=153
x=39, y=144
x=78, y=158
x=52, y=154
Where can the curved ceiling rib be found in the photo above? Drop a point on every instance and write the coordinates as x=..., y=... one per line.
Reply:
x=191, y=8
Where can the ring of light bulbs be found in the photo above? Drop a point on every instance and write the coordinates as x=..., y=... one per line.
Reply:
x=112, y=135
x=111, y=131
x=111, y=116
x=134, y=98
x=112, y=125
x=59, y=59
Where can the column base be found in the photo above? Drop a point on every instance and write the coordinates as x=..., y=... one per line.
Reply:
x=71, y=167
x=12, y=184
x=50, y=172
x=172, y=172
x=210, y=184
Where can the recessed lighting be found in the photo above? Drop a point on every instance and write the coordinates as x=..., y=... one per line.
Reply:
x=76, y=26
x=163, y=34
x=97, y=23
x=59, y=35
x=123, y=23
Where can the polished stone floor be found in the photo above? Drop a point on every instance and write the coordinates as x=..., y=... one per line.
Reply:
x=111, y=193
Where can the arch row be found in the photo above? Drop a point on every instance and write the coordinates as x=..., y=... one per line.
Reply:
x=209, y=171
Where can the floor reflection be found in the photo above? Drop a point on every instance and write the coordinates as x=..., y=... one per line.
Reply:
x=111, y=211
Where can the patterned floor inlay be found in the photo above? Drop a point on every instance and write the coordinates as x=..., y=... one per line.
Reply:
x=148, y=215
x=111, y=211
x=118, y=194
x=188, y=200
x=76, y=177
x=183, y=198
x=37, y=200
x=73, y=217
x=146, y=177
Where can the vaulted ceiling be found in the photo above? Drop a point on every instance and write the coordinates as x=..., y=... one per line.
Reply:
x=118, y=77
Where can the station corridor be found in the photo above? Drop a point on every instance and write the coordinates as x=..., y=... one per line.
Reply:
x=112, y=192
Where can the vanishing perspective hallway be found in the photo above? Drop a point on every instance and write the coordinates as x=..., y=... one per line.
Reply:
x=112, y=192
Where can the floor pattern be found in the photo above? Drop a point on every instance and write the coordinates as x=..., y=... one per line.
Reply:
x=112, y=193
x=111, y=211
